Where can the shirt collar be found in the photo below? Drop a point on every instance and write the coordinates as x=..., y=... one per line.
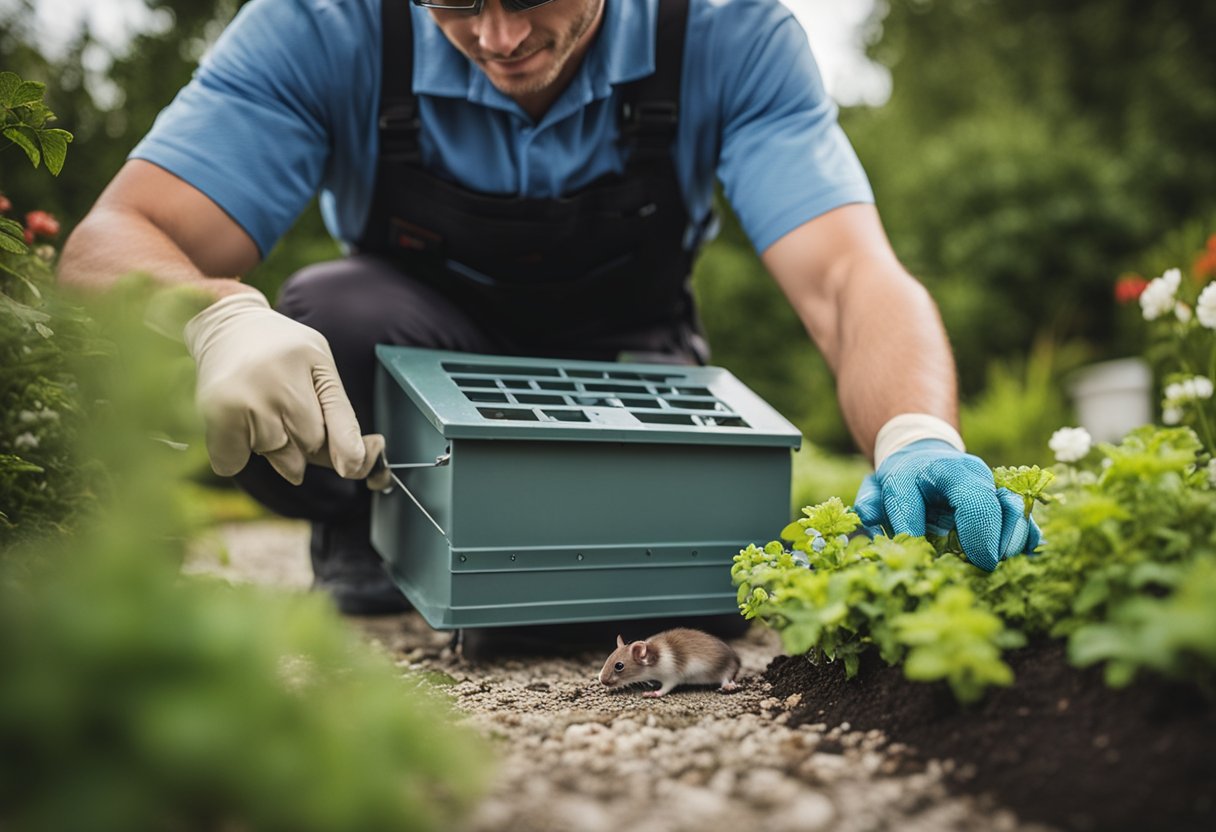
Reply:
x=623, y=51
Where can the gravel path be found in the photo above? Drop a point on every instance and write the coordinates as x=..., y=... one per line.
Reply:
x=576, y=756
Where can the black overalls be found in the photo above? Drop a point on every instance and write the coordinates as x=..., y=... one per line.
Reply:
x=600, y=270
x=592, y=274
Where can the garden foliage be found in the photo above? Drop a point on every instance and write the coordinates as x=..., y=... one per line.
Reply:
x=42, y=488
x=137, y=698
x=1125, y=574
x=1126, y=571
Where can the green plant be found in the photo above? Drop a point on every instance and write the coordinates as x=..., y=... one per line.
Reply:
x=1028, y=386
x=1123, y=574
x=136, y=698
x=1181, y=316
x=42, y=486
x=23, y=120
x=833, y=597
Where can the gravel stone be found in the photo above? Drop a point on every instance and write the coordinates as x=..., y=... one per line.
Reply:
x=576, y=756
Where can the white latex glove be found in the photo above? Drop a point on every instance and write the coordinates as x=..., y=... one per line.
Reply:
x=268, y=385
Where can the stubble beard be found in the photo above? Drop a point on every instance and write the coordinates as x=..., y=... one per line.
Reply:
x=562, y=46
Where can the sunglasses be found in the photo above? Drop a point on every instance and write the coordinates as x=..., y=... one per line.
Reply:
x=475, y=6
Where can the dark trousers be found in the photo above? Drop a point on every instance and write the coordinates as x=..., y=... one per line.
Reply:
x=361, y=301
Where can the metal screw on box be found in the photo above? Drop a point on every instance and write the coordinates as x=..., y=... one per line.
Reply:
x=567, y=491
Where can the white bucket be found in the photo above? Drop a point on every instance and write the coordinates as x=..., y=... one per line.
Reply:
x=1113, y=397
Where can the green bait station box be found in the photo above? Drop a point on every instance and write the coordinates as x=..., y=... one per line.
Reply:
x=540, y=491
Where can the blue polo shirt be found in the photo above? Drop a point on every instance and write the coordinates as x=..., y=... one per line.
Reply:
x=284, y=107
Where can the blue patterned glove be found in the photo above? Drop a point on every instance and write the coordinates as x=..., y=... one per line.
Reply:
x=931, y=484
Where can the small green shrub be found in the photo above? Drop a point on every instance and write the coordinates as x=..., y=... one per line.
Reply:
x=137, y=698
x=1125, y=573
x=134, y=697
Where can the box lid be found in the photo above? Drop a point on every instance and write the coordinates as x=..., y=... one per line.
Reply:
x=465, y=395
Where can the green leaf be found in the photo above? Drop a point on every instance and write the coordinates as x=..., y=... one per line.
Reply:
x=25, y=314
x=54, y=148
x=27, y=92
x=29, y=285
x=794, y=532
x=10, y=82
x=11, y=227
x=1028, y=482
x=12, y=244
x=23, y=138
x=13, y=464
x=852, y=663
x=43, y=330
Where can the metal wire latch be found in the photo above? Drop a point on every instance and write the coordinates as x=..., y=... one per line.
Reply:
x=389, y=467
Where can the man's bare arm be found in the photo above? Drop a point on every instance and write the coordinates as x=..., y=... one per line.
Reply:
x=148, y=220
x=876, y=326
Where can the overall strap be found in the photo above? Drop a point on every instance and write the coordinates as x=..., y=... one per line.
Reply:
x=650, y=106
x=399, y=123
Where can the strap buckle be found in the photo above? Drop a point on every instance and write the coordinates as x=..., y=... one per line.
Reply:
x=400, y=117
x=399, y=126
x=649, y=115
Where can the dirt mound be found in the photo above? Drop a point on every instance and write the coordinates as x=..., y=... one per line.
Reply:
x=1058, y=746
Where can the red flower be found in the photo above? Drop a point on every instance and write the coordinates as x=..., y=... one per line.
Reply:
x=5, y=205
x=40, y=224
x=1129, y=287
x=1205, y=263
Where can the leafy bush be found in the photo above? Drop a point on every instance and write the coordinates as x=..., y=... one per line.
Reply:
x=1124, y=573
x=135, y=698
x=42, y=488
x=834, y=598
x=1179, y=311
x=135, y=701
x=1028, y=387
x=818, y=475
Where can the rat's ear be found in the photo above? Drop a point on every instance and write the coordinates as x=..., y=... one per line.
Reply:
x=638, y=650
x=620, y=642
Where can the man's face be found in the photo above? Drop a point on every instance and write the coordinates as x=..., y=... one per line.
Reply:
x=523, y=53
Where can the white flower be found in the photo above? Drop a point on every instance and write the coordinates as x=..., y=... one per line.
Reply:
x=1212, y=472
x=1206, y=307
x=1157, y=299
x=1070, y=444
x=1187, y=390
x=1181, y=393
x=25, y=442
x=1182, y=312
x=801, y=559
x=25, y=417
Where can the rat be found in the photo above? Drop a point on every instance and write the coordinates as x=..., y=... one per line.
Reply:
x=672, y=658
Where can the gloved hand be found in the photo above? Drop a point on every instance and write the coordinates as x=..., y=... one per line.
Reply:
x=268, y=385
x=932, y=479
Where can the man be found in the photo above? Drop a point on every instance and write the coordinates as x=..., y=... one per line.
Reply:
x=529, y=177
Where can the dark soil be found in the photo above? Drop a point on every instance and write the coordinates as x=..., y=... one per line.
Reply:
x=1057, y=747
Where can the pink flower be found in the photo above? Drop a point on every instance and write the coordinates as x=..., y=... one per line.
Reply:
x=1129, y=287
x=40, y=224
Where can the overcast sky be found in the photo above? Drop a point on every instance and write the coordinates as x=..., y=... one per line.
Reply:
x=831, y=25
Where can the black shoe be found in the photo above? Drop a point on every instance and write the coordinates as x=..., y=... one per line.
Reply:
x=345, y=565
